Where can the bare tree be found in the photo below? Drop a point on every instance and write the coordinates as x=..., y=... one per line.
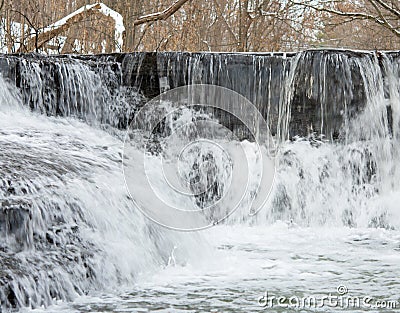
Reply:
x=384, y=13
x=201, y=25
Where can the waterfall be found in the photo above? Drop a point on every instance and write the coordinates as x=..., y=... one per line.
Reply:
x=339, y=170
x=69, y=225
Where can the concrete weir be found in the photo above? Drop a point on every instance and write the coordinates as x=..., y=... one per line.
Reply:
x=299, y=94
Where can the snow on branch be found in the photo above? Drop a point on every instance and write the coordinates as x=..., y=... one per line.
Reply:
x=36, y=41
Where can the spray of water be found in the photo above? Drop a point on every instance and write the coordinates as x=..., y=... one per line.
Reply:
x=68, y=223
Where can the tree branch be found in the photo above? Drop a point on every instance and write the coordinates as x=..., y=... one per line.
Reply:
x=228, y=27
x=354, y=15
x=34, y=41
x=381, y=16
x=163, y=15
x=389, y=8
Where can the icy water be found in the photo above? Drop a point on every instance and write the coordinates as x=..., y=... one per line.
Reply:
x=282, y=259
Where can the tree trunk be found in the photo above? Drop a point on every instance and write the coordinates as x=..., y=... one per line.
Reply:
x=244, y=25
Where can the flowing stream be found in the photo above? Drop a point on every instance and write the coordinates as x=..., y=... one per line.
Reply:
x=73, y=238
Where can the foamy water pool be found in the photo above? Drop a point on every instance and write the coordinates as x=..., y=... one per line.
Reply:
x=282, y=261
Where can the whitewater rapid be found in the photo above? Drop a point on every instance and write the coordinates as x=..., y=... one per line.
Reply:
x=74, y=237
x=68, y=224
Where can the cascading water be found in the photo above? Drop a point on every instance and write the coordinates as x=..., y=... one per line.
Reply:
x=67, y=224
x=346, y=181
x=354, y=181
x=69, y=227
